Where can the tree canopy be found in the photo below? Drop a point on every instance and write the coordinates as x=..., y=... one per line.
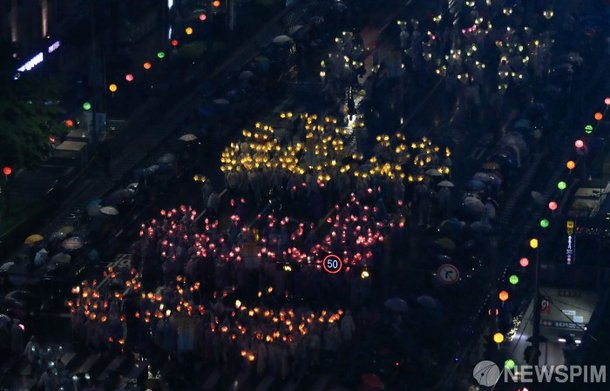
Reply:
x=29, y=113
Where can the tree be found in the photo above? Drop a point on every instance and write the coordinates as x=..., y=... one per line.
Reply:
x=29, y=113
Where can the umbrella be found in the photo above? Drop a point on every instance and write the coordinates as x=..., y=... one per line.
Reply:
x=536, y=196
x=475, y=184
x=168, y=158
x=474, y=204
x=445, y=244
x=372, y=381
x=523, y=123
x=17, y=274
x=396, y=304
x=6, y=267
x=93, y=207
x=245, y=75
x=73, y=243
x=188, y=137
x=428, y=302
x=480, y=227
x=61, y=258
x=109, y=211
x=33, y=239
x=452, y=224
x=282, y=39
x=491, y=166
x=294, y=29
x=445, y=183
x=67, y=229
x=433, y=172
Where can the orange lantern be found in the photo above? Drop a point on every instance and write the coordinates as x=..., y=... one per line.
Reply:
x=571, y=164
x=503, y=296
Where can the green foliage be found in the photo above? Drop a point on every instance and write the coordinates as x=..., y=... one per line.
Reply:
x=29, y=114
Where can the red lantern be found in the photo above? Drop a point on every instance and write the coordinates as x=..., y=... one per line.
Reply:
x=7, y=170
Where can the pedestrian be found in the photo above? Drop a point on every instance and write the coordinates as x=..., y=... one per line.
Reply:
x=16, y=338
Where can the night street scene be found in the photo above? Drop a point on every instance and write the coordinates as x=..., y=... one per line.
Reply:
x=304, y=195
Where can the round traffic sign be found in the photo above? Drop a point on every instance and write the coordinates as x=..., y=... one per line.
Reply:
x=332, y=264
x=448, y=274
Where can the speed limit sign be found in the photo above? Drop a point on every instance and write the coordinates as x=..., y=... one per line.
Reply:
x=332, y=264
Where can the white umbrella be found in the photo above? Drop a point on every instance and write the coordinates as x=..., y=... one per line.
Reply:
x=445, y=184
x=109, y=211
x=282, y=39
x=188, y=137
x=433, y=172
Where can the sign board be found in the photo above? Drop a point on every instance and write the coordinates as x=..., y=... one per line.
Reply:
x=567, y=325
x=448, y=274
x=571, y=250
x=332, y=264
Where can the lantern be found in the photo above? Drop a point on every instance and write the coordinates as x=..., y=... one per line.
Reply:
x=188, y=30
x=113, y=87
x=553, y=206
x=161, y=54
x=498, y=338
x=607, y=101
x=562, y=185
x=503, y=295
x=544, y=223
x=174, y=42
x=147, y=65
x=6, y=170
x=514, y=279
x=86, y=106
x=509, y=364
x=534, y=243
x=589, y=129
x=571, y=164
x=203, y=17
x=579, y=143
x=598, y=116
x=524, y=262
x=129, y=77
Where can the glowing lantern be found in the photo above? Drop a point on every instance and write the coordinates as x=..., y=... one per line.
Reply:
x=6, y=170
x=86, y=106
x=607, y=101
x=570, y=164
x=589, y=129
x=524, y=262
x=509, y=364
x=579, y=143
x=69, y=123
x=174, y=42
x=498, y=338
x=216, y=3
x=113, y=87
x=161, y=54
x=147, y=65
x=562, y=185
x=598, y=116
x=544, y=223
x=188, y=30
x=534, y=243
x=202, y=17
x=503, y=295
x=553, y=206
x=514, y=279
x=129, y=77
